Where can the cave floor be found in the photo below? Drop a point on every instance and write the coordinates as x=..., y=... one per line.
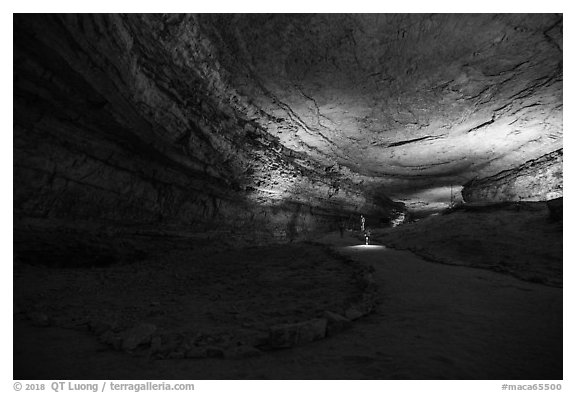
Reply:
x=432, y=321
x=195, y=298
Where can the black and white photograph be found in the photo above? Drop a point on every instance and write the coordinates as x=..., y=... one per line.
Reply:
x=287, y=196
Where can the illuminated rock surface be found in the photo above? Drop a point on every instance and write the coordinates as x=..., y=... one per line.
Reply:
x=536, y=180
x=264, y=126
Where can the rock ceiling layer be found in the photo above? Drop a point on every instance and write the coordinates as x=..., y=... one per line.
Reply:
x=323, y=110
x=408, y=102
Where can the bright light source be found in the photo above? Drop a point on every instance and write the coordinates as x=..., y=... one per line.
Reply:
x=367, y=247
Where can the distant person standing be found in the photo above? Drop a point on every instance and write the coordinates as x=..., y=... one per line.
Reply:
x=367, y=236
x=341, y=225
x=363, y=220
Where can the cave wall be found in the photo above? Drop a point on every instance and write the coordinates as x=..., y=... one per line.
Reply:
x=535, y=180
x=121, y=126
x=259, y=127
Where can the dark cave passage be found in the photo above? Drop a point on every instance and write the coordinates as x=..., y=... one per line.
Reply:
x=186, y=187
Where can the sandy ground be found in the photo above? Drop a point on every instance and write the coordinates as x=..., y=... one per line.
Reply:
x=433, y=321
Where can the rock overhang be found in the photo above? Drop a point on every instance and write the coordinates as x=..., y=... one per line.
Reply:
x=335, y=112
x=435, y=100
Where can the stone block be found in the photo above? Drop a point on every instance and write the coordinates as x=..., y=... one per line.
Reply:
x=335, y=323
x=138, y=335
x=290, y=335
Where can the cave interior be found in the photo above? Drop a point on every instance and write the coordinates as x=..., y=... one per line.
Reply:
x=210, y=188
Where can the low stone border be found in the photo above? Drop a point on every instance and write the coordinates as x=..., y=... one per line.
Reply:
x=291, y=335
x=145, y=337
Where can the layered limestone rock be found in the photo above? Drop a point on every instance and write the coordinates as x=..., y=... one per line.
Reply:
x=535, y=180
x=416, y=103
x=270, y=126
x=116, y=130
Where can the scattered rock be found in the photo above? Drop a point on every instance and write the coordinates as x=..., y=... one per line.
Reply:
x=290, y=335
x=335, y=323
x=170, y=343
x=138, y=335
x=353, y=313
x=112, y=339
x=156, y=344
x=242, y=352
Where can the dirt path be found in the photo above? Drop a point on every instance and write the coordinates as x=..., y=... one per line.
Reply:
x=433, y=321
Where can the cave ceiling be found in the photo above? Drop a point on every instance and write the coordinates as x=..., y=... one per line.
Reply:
x=412, y=103
x=313, y=109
